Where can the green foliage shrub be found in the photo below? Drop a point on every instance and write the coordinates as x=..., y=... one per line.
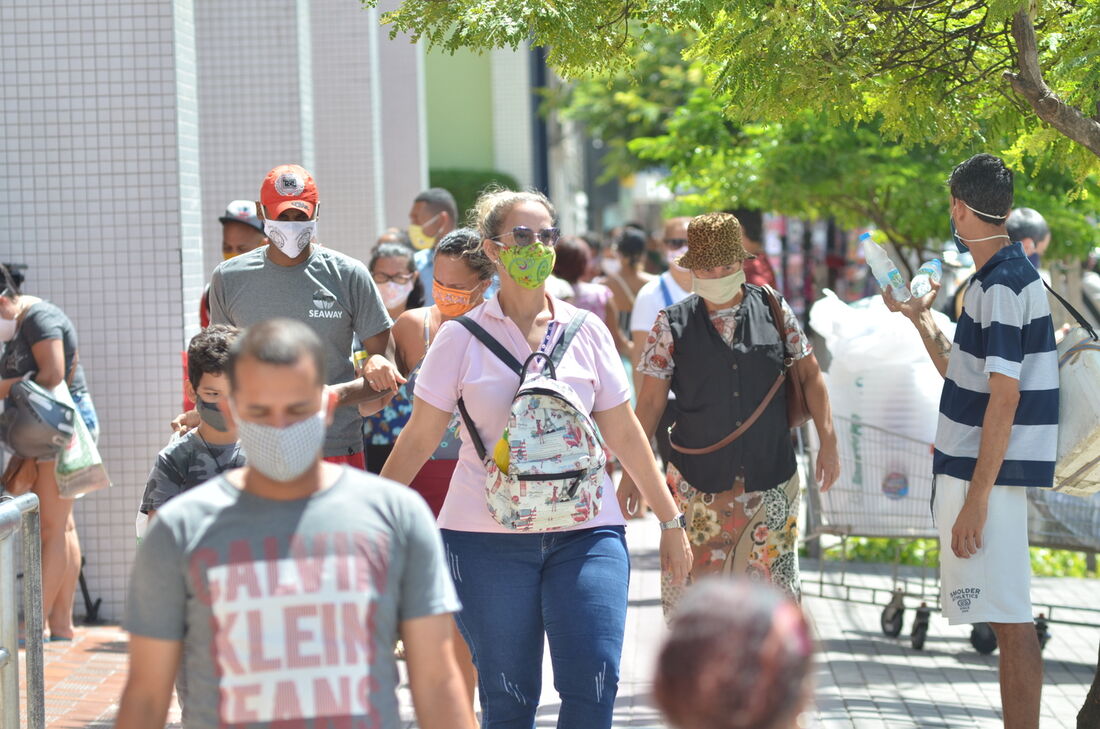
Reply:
x=466, y=185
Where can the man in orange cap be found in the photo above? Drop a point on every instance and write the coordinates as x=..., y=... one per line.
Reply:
x=332, y=293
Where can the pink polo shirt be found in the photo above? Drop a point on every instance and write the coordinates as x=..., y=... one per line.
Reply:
x=457, y=365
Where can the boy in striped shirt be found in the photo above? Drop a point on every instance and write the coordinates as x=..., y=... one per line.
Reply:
x=998, y=430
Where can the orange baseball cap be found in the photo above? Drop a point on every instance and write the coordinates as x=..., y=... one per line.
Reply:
x=288, y=186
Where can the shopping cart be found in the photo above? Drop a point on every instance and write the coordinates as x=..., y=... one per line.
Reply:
x=885, y=490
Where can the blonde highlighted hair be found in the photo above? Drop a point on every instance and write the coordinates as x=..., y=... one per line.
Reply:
x=494, y=204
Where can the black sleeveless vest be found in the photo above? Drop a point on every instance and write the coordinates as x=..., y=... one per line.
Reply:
x=718, y=387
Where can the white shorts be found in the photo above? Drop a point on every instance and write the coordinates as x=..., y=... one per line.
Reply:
x=994, y=585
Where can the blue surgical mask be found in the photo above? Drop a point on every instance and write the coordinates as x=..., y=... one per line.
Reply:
x=211, y=415
x=1034, y=258
x=955, y=234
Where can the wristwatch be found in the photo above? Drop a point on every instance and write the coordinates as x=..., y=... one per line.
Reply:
x=676, y=522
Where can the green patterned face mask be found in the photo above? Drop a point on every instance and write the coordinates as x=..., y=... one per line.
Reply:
x=529, y=266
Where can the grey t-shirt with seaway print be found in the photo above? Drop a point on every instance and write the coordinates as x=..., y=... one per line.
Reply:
x=332, y=293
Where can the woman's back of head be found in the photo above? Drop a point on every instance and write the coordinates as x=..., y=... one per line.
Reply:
x=572, y=258
x=631, y=244
x=738, y=656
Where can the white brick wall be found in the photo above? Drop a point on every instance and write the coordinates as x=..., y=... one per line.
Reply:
x=126, y=128
x=250, y=102
x=100, y=196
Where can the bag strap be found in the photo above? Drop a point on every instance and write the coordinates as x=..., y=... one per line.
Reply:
x=780, y=322
x=664, y=290
x=1069, y=307
x=735, y=434
x=491, y=344
x=575, y=324
x=504, y=356
x=471, y=430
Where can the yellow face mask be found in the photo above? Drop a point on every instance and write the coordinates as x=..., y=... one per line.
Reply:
x=419, y=239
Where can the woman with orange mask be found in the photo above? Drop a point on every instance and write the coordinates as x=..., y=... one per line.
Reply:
x=462, y=275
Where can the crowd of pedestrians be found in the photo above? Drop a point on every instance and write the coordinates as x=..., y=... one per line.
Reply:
x=495, y=377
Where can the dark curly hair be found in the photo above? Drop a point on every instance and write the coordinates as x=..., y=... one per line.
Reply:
x=208, y=352
x=985, y=184
x=465, y=243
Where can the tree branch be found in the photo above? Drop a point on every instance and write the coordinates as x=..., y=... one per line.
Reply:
x=1029, y=84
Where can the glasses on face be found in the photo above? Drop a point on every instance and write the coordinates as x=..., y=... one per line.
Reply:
x=676, y=243
x=400, y=278
x=524, y=236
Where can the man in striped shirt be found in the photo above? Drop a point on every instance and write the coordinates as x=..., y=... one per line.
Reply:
x=998, y=430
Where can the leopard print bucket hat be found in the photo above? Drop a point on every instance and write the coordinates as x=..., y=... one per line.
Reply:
x=714, y=239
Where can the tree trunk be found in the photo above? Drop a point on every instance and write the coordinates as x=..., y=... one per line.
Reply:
x=1029, y=84
x=1089, y=716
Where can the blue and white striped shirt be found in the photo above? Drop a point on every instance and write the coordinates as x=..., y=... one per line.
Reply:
x=1006, y=328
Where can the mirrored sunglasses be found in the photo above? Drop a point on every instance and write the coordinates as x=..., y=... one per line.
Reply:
x=524, y=236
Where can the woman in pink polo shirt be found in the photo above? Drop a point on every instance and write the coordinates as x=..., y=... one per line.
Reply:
x=569, y=585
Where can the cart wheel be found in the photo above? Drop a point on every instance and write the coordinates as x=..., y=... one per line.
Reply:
x=1043, y=631
x=983, y=638
x=920, y=627
x=893, y=615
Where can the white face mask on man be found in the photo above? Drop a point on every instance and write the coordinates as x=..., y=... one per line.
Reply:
x=291, y=236
x=282, y=454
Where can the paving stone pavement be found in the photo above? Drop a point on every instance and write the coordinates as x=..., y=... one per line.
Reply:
x=863, y=678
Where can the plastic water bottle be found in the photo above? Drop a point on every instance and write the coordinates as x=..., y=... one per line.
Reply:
x=928, y=274
x=886, y=273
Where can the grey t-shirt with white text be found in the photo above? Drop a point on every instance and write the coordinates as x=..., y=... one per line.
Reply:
x=289, y=610
x=332, y=293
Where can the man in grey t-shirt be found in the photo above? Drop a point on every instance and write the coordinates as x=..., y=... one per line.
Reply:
x=332, y=293
x=282, y=586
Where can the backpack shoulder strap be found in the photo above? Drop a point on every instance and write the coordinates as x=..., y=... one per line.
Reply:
x=1069, y=307
x=504, y=356
x=471, y=430
x=571, y=330
x=491, y=344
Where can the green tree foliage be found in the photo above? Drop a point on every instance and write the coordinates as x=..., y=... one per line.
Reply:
x=811, y=167
x=922, y=71
x=661, y=111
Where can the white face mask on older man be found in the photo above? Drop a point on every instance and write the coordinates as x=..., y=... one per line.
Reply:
x=719, y=290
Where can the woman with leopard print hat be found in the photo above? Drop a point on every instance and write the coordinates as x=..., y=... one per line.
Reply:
x=733, y=470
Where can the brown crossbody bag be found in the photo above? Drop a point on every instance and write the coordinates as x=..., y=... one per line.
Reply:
x=798, y=413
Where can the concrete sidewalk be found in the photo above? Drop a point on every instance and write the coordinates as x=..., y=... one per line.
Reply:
x=864, y=679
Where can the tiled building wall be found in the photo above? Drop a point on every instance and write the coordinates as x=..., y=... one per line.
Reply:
x=250, y=102
x=347, y=126
x=100, y=196
x=404, y=123
x=512, y=114
x=127, y=127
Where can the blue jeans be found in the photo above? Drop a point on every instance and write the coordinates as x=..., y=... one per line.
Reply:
x=515, y=588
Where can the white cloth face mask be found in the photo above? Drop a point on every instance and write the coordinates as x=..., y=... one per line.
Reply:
x=282, y=454
x=291, y=236
x=394, y=294
x=7, y=329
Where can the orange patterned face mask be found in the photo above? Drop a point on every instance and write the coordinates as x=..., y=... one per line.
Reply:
x=454, y=302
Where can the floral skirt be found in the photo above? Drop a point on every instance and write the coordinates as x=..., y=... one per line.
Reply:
x=735, y=532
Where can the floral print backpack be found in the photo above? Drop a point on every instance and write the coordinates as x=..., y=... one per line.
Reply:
x=547, y=470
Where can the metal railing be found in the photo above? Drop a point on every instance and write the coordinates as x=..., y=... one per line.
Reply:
x=21, y=511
